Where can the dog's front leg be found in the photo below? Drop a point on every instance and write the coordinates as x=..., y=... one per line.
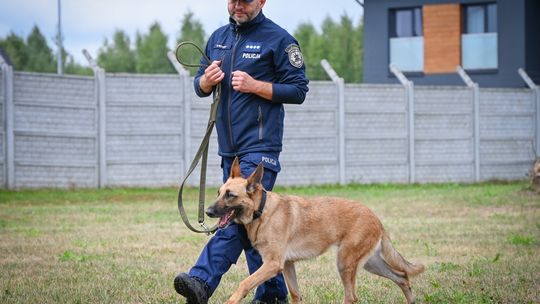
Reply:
x=290, y=277
x=267, y=271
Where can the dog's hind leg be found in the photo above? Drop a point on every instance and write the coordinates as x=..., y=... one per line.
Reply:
x=290, y=277
x=377, y=265
x=349, y=256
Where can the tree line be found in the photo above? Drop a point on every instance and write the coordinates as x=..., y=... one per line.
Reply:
x=340, y=42
x=34, y=54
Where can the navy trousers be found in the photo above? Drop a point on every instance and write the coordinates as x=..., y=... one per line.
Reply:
x=225, y=247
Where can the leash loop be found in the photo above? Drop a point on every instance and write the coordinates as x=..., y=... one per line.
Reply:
x=202, y=152
x=191, y=65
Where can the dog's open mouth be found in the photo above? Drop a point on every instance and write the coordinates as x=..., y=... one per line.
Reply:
x=226, y=219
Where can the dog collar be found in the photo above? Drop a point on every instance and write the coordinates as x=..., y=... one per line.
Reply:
x=257, y=214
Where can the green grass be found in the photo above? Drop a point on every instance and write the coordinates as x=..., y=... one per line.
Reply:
x=480, y=243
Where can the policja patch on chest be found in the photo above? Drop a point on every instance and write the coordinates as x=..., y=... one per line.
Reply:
x=252, y=50
x=295, y=56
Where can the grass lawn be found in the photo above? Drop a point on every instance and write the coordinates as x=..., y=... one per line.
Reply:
x=480, y=243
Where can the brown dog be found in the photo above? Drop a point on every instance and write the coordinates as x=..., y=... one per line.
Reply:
x=286, y=229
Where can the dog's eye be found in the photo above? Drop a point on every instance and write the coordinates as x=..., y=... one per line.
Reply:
x=229, y=195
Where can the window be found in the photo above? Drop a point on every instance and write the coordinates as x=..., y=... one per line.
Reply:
x=406, y=22
x=406, y=39
x=479, y=38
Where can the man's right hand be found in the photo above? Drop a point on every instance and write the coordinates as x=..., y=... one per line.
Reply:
x=212, y=76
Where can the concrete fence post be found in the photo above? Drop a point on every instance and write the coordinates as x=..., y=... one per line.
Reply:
x=186, y=109
x=409, y=96
x=340, y=84
x=100, y=93
x=536, y=102
x=476, y=114
x=9, y=140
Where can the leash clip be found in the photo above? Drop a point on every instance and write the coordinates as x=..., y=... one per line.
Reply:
x=207, y=230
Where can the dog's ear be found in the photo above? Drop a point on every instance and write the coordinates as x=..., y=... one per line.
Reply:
x=235, y=169
x=255, y=178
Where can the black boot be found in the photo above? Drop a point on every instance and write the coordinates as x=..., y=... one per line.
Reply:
x=194, y=290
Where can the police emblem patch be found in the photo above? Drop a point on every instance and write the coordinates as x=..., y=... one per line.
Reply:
x=295, y=56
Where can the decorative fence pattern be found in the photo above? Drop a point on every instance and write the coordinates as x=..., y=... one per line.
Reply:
x=143, y=130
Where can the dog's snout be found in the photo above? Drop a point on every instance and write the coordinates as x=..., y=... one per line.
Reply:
x=211, y=211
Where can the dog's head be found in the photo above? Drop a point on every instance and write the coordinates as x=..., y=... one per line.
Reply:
x=237, y=198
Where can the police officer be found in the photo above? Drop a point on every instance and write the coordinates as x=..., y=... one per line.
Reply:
x=260, y=67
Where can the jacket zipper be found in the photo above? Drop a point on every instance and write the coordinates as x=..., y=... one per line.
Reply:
x=233, y=144
x=260, y=121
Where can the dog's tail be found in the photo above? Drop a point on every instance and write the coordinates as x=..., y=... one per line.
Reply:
x=396, y=261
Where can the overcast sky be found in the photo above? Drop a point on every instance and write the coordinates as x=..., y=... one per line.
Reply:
x=86, y=23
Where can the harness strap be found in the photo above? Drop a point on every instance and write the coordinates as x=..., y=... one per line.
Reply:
x=202, y=153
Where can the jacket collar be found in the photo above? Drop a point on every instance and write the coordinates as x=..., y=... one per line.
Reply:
x=244, y=27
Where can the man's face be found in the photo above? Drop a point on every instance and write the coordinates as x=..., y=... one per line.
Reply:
x=243, y=12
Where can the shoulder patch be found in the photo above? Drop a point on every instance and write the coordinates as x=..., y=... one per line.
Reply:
x=295, y=56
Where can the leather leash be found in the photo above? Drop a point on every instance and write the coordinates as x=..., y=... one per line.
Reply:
x=202, y=152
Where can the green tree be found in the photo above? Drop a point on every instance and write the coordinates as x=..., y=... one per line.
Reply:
x=312, y=50
x=72, y=67
x=340, y=44
x=117, y=56
x=152, y=52
x=359, y=51
x=343, y=45
x=191, y=30
x=36, y=56
x=335, y=46
x=15, y=48
x=40, y=55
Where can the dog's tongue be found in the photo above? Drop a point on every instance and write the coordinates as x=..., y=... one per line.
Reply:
x=225, y=220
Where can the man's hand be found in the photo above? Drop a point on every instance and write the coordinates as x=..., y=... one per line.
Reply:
x=212, y=76
x=243, y=82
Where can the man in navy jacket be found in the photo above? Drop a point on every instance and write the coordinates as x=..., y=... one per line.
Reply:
x=259, y=67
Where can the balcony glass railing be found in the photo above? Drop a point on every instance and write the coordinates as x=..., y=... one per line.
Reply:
x=479, y=51
x=407, y=53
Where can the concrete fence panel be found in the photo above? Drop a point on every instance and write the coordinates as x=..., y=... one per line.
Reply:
x=444, y=122
x=376, y=145
x=310, y=138
x=507, y=132
x=54, y=131
x=144, y=130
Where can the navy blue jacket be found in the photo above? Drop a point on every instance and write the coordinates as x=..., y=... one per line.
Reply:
x=246, y=122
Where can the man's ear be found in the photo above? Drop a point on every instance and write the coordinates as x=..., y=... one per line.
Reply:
x=235, y=169
x=255, y=178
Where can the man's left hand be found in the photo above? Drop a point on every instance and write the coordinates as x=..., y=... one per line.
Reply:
x=243, y=82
